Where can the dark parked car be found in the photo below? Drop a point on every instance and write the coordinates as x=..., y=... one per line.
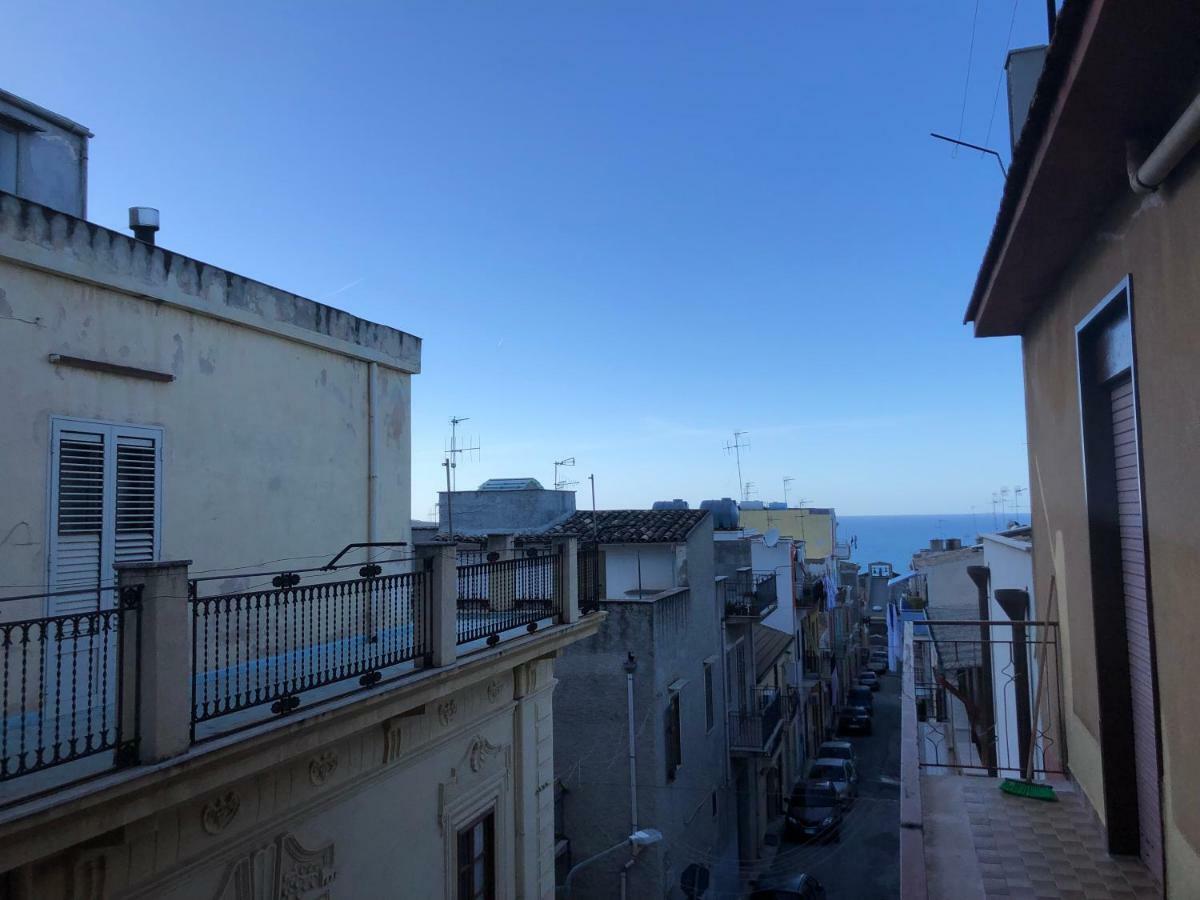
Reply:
x=814, y=813
x=795, y=887
x=870, y=679
x=854, y=720
x=879, y=663
x=861, y=696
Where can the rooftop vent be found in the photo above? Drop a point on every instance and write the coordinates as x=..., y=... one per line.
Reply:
x=143, y=222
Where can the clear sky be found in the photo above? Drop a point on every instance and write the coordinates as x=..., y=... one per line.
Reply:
x=623, y=230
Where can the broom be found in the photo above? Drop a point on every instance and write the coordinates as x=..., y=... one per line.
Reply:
x=1022, y=787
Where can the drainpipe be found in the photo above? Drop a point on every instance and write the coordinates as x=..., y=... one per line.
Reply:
x=980, y=575
x=630, y=668
x=372, y=485
x=1015, y=604
x=1147, y=175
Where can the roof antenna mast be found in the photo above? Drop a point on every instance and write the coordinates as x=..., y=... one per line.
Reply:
x=563, y=485
x=736, y=447
x=455, y=450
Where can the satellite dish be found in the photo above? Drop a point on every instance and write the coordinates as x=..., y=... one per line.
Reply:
x=771, y=538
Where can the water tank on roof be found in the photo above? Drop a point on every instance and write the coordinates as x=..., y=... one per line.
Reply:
x=775, y=504
x=677, y=503
x=751, y=504
x=953, y=543
x=724, y=513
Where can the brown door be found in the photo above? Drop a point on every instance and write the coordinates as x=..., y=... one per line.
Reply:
x=1137, y=624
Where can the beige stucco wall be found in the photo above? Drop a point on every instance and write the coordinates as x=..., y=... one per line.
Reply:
x=264, y=437
x=815, y=529
x=1151, y=239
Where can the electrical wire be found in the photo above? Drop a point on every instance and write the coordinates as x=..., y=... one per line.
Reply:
x=1000, y=78
x=962, y=115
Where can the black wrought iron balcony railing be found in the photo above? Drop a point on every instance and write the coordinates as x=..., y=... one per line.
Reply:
x=751, y=595
x=756, y=729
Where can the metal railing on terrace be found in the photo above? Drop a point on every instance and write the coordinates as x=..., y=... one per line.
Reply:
x=987, y=696
x=495, y=597
x=227, y=652
x=68, y=684
x=751, y=594
x=268, y=646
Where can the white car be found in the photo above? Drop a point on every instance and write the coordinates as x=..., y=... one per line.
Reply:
x=837, y=750
x=841, y=773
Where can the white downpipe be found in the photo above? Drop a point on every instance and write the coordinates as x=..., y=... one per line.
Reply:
x=1147, y=176
x=372, y=458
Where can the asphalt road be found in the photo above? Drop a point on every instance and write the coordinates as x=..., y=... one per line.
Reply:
x=865, y=864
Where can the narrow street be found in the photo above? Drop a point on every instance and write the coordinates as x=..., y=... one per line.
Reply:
x=865, y=863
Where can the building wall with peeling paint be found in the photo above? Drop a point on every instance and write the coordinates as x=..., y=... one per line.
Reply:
x=265, y=425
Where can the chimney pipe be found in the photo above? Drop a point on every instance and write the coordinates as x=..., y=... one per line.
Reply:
x=143, y=221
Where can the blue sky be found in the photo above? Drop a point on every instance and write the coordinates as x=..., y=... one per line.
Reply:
x=623, y=230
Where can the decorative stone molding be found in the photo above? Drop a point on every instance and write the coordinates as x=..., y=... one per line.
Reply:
x=447, y=710
x=220, y=811
x=480, y=751
x=392, y=741
x=282, y=870
x=322, y=766
x=495, y=686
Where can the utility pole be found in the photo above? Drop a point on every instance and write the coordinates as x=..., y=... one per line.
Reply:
x=736, y=447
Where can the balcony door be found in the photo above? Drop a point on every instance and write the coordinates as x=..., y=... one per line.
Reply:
x=1121, y=592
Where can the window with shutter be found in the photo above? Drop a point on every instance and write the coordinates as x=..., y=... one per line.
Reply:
x=105, y=489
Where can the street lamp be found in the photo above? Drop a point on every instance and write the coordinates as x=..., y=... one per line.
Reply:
x=643, y=837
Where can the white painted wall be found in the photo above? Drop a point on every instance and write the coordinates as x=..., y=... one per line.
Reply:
x=777, y=559
x=1011, y=566
x=658, y=568
x=264, y=437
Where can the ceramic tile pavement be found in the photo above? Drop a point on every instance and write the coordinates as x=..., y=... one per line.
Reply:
x=1015, y=847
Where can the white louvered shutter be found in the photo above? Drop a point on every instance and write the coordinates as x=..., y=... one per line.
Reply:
x=77, y=539
x=106, y=485
x=137, y=499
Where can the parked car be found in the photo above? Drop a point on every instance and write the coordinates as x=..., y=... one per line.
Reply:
x=870, y=679
x=795, y=887
x=854, y=720
x=878, y=663
x=861, y=696
x=814, y=813
x=837, y=750
x=838, y=772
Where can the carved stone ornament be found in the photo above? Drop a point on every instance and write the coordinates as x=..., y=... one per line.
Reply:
x=493, y=689
x=220, y=811
x=480, y=752
x=321, y=766
x=392, y=740
x=447, y=709
x=281, y=870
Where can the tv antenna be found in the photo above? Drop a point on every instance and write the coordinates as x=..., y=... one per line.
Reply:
x=736, y=447
x=787, y=483
x=1017, y=492
x=748, y=490
x=455, y=450
x=568, y=462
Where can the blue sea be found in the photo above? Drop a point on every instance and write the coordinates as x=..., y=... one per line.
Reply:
x=895, y=539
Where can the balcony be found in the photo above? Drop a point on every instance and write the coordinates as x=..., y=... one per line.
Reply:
x=755, y=731
x=979, y=703
x=164, y=662
x=750, y=596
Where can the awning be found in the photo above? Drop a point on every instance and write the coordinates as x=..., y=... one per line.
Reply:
x=900, y=578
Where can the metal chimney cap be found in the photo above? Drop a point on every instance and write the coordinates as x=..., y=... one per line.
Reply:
x=143, y=217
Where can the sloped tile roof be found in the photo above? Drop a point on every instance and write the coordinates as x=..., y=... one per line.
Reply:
x=629, y=526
